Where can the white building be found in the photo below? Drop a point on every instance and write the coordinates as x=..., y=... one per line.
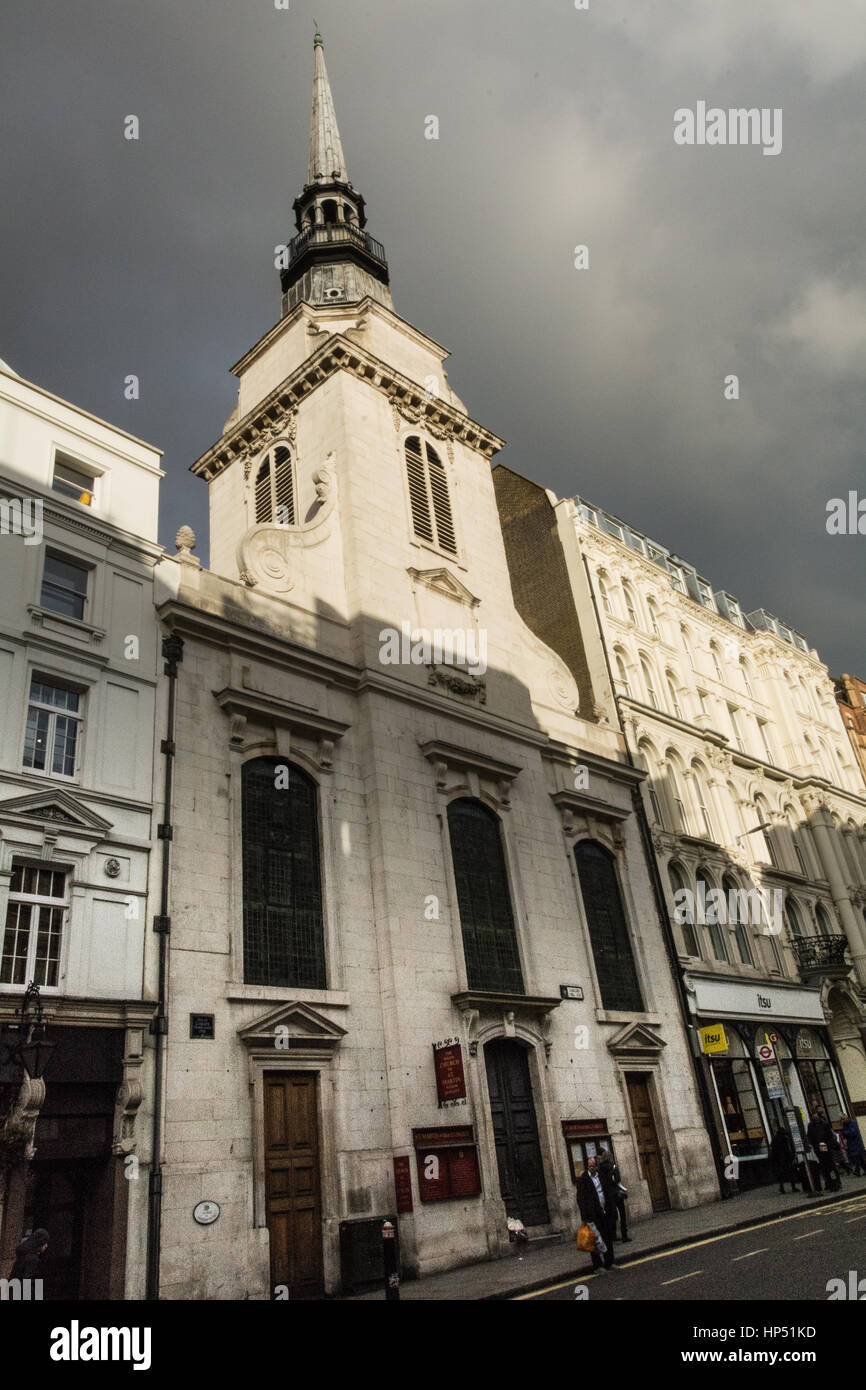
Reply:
x=391, y=862
x=752, y=785
x=78, y=674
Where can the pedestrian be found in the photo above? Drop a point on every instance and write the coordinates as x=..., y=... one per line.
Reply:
x=606, y=1161
x=28, y=1255
x=596, y=1199
x=782, y=1159
x=854, y=1145
x=837, y=1157
x=820, y=1136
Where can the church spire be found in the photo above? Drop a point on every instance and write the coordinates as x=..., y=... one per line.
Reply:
x=332, y=259
x=326, y=152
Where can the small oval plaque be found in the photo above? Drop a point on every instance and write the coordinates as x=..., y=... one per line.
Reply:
x=206, y=1212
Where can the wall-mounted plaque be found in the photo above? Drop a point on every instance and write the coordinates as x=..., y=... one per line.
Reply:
x=403, y=1183
x=450, y=1080
x=571, y=991
x=201, y=1025
x=206, y=1213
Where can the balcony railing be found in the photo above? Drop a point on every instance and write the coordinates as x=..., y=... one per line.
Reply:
x=336, y=233
x=820, y=955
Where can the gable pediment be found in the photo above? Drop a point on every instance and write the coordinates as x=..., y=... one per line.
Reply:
x=442, y=581
x=289, y=1027
x=56, y=806
x=636, y=1041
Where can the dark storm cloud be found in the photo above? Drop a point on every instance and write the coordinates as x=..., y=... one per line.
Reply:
x=556, y=128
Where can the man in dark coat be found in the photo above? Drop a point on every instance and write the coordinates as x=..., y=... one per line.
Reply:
x=596, y=1198
x=820, y=1136
x=605, y=1161
x=28, y=1255
x=854, y=1145
x=782, y=1159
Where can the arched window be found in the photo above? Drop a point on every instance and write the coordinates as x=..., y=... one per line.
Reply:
x=608, y=931
x=681, y=824
x=822, y=916
x=329, y=210
x=707, y=905
x=622, y=673
x=653, y=617
x=486, y=918
x=717, y=667
x=795, y=920
x=687, y=646
x=683, y=912
x=284, y=941
x=673, y=695
x=699, y=784
x=652, y=697
x=432, y=520
x=604, y=595
x=747, y=684
x=764, y=836
x=646, y=761
x=629, y=603
x=795, y=842
x=741, y=928
x=275, y=487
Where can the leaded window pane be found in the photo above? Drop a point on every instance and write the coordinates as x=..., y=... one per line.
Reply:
x=284, y=940
x=608, y=931
x=486, y=918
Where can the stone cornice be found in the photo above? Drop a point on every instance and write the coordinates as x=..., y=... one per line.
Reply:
x=339, y=353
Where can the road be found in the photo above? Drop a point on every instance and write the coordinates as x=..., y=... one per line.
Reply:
x=790, y=1257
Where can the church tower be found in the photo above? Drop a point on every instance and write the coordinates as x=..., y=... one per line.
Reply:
x=375, y=892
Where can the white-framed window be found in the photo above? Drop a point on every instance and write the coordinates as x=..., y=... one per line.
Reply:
x=676, y=796
x=622, y=673
x=652, y=697
x=687, y=647
x=274, y=489
x=628, y=596
x=717, y=665
x=702, y=702
x=72, y=480
x=64, y=586
x=432, y=519
x=701, y=799
x=673, y=695
x=764, y=731
x=605, y=596
x=747, y=684
x=33, y=934
x=653, y=617
x=734, y=715
x=706, y=594
x=677, y=580
x=54, y=721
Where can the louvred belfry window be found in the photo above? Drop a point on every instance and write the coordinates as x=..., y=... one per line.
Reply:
x=486, y=919
x=432, y=520
x=275, y=487
x=608, y=930
x=284, y=940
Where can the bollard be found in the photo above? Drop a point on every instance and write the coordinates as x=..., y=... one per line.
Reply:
x=389, y=1260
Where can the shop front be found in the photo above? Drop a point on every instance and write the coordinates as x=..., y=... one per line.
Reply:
x=770, y=1065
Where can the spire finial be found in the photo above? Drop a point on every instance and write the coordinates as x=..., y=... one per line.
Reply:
x=317, y=41
x=326, y=152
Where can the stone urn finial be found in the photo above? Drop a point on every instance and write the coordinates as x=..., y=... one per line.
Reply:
x=185, y=538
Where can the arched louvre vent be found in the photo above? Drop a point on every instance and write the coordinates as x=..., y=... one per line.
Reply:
x=284, y=485
x=275, y=487
x=263, y=493
x=432, y=519
x=441, y=502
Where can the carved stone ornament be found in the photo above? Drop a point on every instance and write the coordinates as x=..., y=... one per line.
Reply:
x=112, y=868
x=415, y=413
x=458, y=682
x=265, y=553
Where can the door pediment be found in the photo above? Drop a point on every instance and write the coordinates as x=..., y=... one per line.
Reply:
x=636, y=1042
x=57, y=806
x=291, y=1027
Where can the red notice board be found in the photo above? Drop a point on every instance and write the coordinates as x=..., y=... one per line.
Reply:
x=403, y=1183
x=450, y=1080
x=447, y=1163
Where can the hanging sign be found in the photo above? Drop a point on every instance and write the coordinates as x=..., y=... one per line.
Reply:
x=714, y=1038
x=450, y=1080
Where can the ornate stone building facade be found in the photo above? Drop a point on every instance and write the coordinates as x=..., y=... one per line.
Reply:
x=758, y=820
x=78, y=672
x=415, y=960
x=851, y=698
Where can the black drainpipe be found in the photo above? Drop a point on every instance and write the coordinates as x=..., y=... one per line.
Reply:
x=172, y=651
x=664, y=919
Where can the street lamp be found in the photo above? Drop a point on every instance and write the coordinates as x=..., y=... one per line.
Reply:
x=31, y=1049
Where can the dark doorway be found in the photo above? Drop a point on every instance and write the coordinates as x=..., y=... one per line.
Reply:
x=518, y=1154
x=646, y=1134
x=60, y=1198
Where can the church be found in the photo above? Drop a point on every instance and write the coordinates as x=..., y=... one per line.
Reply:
x=415, y=963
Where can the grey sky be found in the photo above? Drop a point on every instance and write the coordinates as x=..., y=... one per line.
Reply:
x=556, y=128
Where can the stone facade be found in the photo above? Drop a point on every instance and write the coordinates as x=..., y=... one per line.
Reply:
x=851, y=698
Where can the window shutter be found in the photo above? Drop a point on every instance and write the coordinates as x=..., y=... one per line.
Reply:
x=441, y=502
x=263, y=493
x=418, y=490
x=284, y=487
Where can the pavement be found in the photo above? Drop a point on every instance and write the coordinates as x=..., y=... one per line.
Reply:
x=528, y=1269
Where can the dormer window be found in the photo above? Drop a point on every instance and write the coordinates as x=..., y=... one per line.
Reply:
x=275, y=488
x=432, y=520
